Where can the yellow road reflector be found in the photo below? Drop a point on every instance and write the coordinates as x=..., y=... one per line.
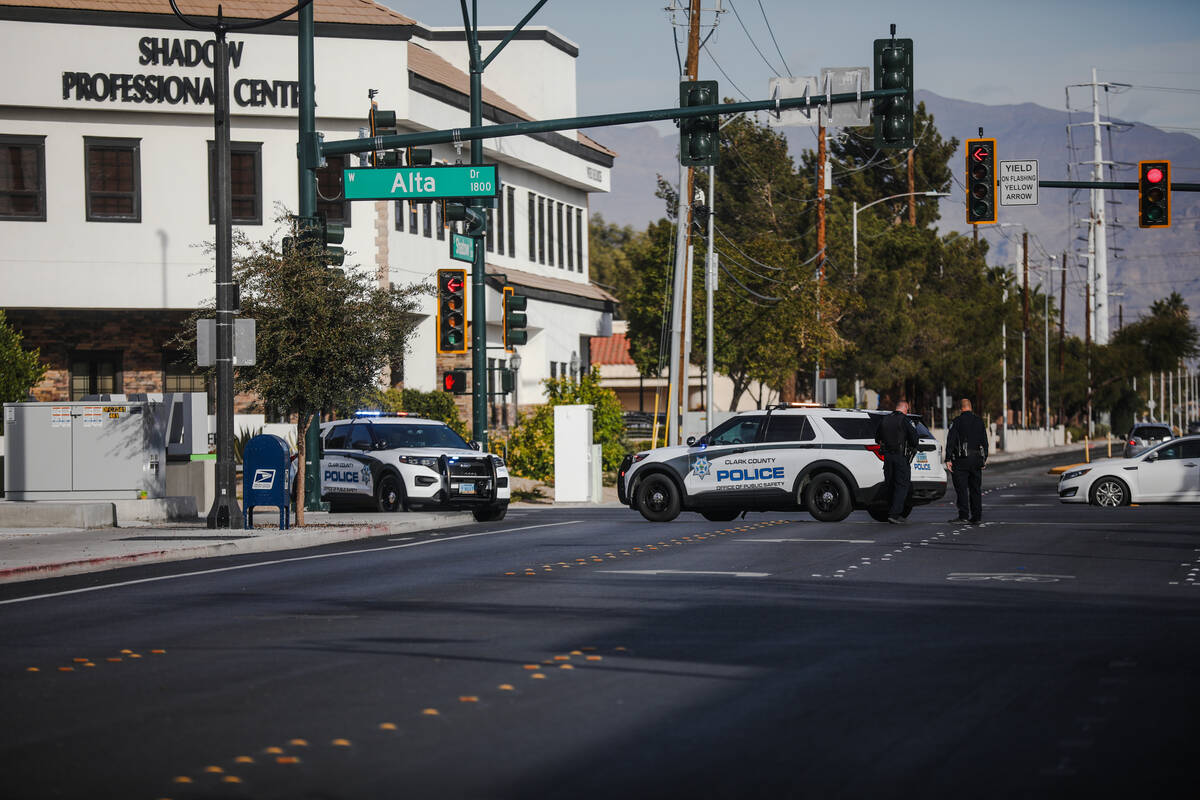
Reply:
x=566, y=666
x=231, y=779
x=32, y=669
x=387, y=726
x=159, y=652
x=135, y=655
x=273, y=751
x=181, y=779
x=579, y=652
x=506, y=687
x=80, y=660
x=538, y=676
x=468, y=698
x=89, y=664
x=298, y=742
x=594, y=658
x=620, y=649
x=429, y=712
x=126, y=652
x=340, y=743
x=114, y=659
x=562, y=658
x=287, y=760
x=214, y=770
x=531, y=666
x=66, y=669
x=243, y=760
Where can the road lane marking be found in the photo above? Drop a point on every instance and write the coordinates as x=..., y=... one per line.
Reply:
x=685, y=572
x=1014, y=577
x=277, y=561
x=776, y=541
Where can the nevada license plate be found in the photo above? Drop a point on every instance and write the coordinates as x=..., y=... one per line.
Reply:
x=466, y=488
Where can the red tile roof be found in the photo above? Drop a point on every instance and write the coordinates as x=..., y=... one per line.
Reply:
x=610, y=350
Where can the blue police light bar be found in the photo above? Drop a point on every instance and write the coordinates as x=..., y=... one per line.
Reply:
x=377, y=413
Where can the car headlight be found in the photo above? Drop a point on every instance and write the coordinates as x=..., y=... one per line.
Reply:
x=498, y=461
x=420, y=461
x=1075, y=473
x=639, y=456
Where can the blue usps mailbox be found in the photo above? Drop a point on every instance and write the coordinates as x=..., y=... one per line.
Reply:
x=266, y=477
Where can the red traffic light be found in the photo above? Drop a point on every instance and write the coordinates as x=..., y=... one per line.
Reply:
x=1154, y=175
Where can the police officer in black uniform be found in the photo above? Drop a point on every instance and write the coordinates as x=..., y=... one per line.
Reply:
x=898, y=440
x=966, y=454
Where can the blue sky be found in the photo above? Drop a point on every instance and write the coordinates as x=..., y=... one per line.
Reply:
x=995, y=53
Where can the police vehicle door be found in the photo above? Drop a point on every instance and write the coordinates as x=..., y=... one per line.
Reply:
x=718, y=468
x=789, y=445
x=347, y=471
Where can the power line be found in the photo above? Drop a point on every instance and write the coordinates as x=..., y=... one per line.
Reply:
x=737, y=14
x=771, y=31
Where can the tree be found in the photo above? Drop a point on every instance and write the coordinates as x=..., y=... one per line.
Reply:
x=609, y=248
x=20, y=369
x=323, y=336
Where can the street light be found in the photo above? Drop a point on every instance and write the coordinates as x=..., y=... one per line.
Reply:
x=881, y=200
x=515, y=363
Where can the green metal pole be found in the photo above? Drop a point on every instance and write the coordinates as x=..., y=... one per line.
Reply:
x=309, y=158
x=478, y=285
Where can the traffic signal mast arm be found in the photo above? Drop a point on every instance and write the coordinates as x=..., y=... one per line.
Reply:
x=348, y=146
x=1175, y=187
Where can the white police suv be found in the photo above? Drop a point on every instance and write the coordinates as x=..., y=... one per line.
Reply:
x=393, y=462
x=823, y=460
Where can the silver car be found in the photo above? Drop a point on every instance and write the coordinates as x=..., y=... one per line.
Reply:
x=1145, y=435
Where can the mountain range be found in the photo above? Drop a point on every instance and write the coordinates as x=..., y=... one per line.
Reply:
x=1143, y=264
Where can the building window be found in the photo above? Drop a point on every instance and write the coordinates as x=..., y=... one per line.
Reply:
x=441, y=220
x=579, y=234
x=95, y=372
x=559, y=219
x=570, y=250
x=532, y=228
x=23, y=178
x=550, y=232
x=427, y=220
x=541, y=230
x=180, y=376
x=412, y=217
x=245, y=172
x=400, y=215
x=113, y=168
x=499, y=215
x=331, y=199
x=512, y=222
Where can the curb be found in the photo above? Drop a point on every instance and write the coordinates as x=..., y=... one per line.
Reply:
x=274, y=541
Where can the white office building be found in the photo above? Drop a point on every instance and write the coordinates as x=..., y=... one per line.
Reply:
x=106, y=132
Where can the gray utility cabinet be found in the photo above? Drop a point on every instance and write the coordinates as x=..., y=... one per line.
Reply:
x=96, y=449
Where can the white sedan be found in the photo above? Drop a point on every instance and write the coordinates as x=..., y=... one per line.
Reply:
x=1167, y=473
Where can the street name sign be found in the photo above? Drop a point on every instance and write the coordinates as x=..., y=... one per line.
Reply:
x=1019, y=183
x=422, y=183
x=462, y=248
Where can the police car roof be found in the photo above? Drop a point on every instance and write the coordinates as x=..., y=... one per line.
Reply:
x=388, y=419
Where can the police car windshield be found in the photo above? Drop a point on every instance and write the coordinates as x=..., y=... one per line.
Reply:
x=436, y=436
x=739, y=430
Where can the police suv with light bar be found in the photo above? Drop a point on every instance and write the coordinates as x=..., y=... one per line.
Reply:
x=787, y=457
x=393, y=462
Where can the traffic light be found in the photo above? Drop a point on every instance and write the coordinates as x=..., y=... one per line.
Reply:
x=319, y=238
x=699, y=137
x=475, y=218
x=455, y=381
x=1154, y=194
x=418, y=157
x=513, y=315
x=981, y=180
x=383, y=123
x=451, y=308
x=892, y=117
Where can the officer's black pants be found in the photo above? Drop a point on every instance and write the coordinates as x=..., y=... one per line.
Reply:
x=898, y=480
x=968, y=484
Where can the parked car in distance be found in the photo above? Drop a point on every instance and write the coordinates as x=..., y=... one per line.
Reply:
x=1166, y=473
x=1145, y=435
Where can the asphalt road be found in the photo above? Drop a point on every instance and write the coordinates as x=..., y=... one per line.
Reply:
x=585, y=653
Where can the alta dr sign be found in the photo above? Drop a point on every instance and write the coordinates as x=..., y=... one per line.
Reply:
x=421, y=183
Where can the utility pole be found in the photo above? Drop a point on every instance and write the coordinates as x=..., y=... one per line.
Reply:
x=1100, y=294
x=912, y=197
x=710, y=286
x=1025, y=329
x=788, y=391
x=1087, y=348
x=678, y=381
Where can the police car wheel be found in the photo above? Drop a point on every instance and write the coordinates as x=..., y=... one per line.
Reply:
x=720, y=516
x=490, y=513
x=658, y=499
x=389, y=494
x=827, y=498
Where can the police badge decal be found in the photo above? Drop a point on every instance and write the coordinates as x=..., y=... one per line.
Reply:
x=700, y=467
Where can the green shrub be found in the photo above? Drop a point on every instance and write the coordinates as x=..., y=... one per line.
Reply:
x=531, y=441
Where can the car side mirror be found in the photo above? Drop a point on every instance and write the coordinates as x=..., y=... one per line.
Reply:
x=1152, y=457
x=475, y=445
